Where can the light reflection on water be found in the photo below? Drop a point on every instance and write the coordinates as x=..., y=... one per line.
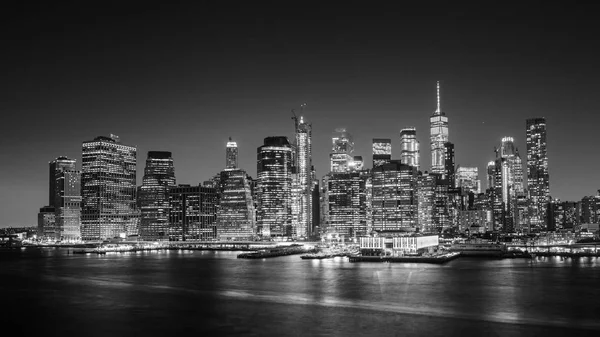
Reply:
x=216, y=293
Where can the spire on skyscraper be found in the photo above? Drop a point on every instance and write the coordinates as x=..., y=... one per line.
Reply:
x=438, y=111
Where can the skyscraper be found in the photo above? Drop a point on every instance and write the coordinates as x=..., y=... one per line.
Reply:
x=68, y=204
x=382, y=151
x=508, y=180
x=467, y=178
x=426, y=189
x=438, y=137
x=159, y=177
x=108, y=189
x=231, y=155
x=409, y=147
x=538, y=179
x=303, y=162
x=235, y=214
x=192, y=213
x=394, y=197
x=344, y=204
x=57, y=165
x=341, y=150
x=274, y=184
x=449, y=163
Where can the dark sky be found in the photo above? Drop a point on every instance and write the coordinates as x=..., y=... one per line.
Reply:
x=183, y=78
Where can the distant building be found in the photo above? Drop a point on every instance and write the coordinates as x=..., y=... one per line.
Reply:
x=538, y=179
x=508, y=180
x=357, y=164
x=449, y=164
x=438, y=137
x=426, y=190
x=236, y=213
x=409, y=147
x=274, y=187
x=397, y=245
x=344, y=204
x=590, y=209
x=159, y=177
x=467, y=178
x=231, y=155
x=394, y=200
x=108, y=189
x=47, y=223
x=304, y=177
x=192, y=213
x=382, y=151
x=473, y=221
x=341, y=150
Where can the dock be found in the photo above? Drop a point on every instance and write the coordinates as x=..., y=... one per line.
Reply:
x=406, y=259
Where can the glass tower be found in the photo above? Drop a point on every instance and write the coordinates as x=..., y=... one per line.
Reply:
x=274, y=184
x=159, y=176
x=108, y=189
x=538, y=179
x=303, y=162
x=409, y=147
x=438, y=137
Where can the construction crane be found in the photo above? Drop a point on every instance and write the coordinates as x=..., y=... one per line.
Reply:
x=294, y=117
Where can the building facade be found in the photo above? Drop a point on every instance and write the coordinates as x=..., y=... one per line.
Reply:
x=153, y=197
x=341, y=151
x=438, y=137
x=192, y=213
x=304, y=177
x=345, y=204
x=108, y=189
x=538, y=179
x=409, y=147
x=382, y=151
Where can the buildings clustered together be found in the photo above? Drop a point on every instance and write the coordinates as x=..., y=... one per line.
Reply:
x=286, y=200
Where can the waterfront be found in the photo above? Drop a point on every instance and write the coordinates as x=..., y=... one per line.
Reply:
x=214, y=293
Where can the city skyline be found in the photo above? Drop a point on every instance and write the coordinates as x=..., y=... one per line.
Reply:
x=526, y=67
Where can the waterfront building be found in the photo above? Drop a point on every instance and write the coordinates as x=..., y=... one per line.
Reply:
x=394, y=200
x=231, y=155
x=345, y=206
x=67, y=204
x=153, y=196
x=438, y=137
x=409, y=147
x=47, y=223
x=274, y=187
x=108, y=189
x=397, y=245
x=192, y=213
x=341, y=150
x=382, y=151
x=467, y=178
x=538, y=179
x=57, y=166
x=426, y=189
x=304, y=173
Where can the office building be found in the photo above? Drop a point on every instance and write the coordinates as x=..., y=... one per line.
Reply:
x=467, y=178
x=538, y=179
x=449, y=164
x=192, y=213
x=438, y=137
x=274, y=187
x=153, y=196
x=304, y=177
x=409, y=147
x=382, y=151
x=108, y=189
x=344, y=204
x=231, y=155
x=426, y=189
x=341, y=151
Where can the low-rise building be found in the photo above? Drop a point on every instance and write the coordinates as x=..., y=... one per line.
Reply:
x=398, y=245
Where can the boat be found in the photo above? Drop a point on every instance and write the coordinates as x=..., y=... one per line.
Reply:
x=479, y=249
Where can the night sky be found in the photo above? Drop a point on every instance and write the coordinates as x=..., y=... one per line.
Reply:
x=185, y=78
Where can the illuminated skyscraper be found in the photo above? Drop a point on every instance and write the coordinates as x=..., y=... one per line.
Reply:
x=467, y=178
x=56, y=166
x=192, y=213
x=344, y=204
x=439, y=137
x=65, y=199
x=538, y=179
x=409, y=146
x=382, y=151
x=491, y=169
x=108, y=189
x=449, y=163
x=508, y=180
x=304, y=173
x=394, y=197
x=341, y=150
x=426, y=189
x=274, y=184
x=235, y=215
x=231, y=155
x=153, y=198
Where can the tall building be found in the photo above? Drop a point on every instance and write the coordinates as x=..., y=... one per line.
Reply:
x=538, y=179
x=304, y=173
x=231, y=155
x=274, y=187
x=590, y=209
x=394, y=201
x=56, y=166
x=108, y=189
x=192, y=213
x=426, y=189
x=344, y=209
x=67, y=204
x=438, y=137
x=341, y=151
x=153, y=197
x=508, y=180
x=449, y=163
x=382, y=151
x=491, y=173
x=467, y=178
x=47, y=223
x=409, y=147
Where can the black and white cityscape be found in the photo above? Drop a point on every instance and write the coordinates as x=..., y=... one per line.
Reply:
x=286, y=169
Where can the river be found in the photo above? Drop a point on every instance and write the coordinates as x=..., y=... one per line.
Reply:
x=206, y=293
